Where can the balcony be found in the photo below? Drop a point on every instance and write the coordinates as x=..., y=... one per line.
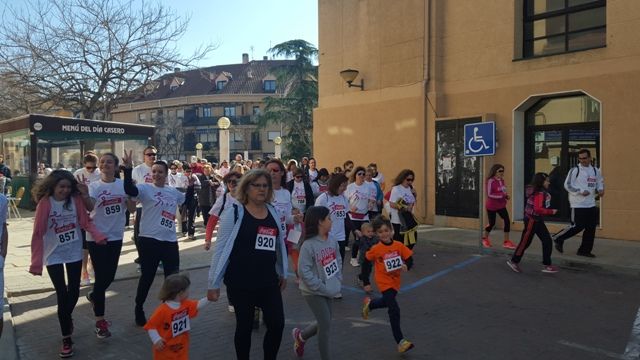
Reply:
x=191, y=119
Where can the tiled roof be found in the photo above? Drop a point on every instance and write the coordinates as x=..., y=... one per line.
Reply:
x=243, y=79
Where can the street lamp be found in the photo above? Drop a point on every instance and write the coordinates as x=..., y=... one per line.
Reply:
x=278, y=147
x=224, y=123
x=199, y=150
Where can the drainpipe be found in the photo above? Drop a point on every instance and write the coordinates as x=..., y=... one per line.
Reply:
x=426, y=71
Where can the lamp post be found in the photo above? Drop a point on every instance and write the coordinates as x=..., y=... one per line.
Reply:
x=278, y=147
x=224, y=123
x=199, y=150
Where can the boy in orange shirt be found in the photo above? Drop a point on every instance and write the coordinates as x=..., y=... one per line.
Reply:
x=390, y=259
x=170, y=324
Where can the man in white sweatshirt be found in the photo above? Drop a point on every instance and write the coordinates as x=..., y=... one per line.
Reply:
x=583, y=183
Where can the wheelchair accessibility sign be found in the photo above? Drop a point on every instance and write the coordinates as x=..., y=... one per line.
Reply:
x=480, y=139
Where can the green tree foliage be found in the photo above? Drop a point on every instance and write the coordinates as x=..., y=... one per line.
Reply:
x=297, y=84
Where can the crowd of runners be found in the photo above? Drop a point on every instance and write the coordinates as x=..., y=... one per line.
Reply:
x=268, y=215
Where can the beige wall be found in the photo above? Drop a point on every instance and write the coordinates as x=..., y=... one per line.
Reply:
x=463, y=59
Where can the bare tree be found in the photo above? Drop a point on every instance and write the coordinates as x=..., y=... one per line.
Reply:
x=83, y=55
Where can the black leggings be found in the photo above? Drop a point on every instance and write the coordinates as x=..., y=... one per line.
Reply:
x=153, y=251
x=342, y=247
x=136, y=229
x=105, y=263
x=365, y=272
x=504, y=214
x=534, y=227
x=388, y=300
x=188, y=214
x=66, y=293
x=205, y=213
x=245, y=301
x=357, y=224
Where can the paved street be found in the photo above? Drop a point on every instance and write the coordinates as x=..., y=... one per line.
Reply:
x=456, y=305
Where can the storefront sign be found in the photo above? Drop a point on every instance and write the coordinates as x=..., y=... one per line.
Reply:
x=41, y=124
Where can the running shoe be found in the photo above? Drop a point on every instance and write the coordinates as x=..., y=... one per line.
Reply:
x=256, y=319
x=405, y=345
x=559, y=246
x=231, y=309
x=141, y=320
x=508, y=244
x=102, y=329
x=86, y=281
x=367, y=289
x=485, y=242
x=514, y=266
x=550, y=269
x=338, y=296
x=354, y=262
x=589, y=255
x=67, y=348
x=298, y=343
x=365, y=307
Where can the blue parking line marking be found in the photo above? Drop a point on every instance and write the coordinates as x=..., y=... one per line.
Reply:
x=440, y=273
x=422, y=281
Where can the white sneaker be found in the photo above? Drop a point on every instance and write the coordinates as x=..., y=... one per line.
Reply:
x=338, y=296
x=354, y=262
x=231, y=309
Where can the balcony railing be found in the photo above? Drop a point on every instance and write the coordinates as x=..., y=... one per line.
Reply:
x=194, y=120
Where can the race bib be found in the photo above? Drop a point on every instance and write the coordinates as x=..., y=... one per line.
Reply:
x=393, y=263
x=180, y=323
x=266, y=238
x=330, y=267
x=66, y=234
x=112, y=207
x=301, y=200
x=167, y=219
x=591, y=182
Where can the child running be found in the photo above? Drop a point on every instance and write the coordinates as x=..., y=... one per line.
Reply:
x=367, y=240
x=170, y=323
x=320, y=271
x=536, y=208
x=390, y=258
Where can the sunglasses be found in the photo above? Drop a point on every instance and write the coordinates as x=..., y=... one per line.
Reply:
x=360, y=174
x=151, y=154
x=173, y=168
x=90, y=167
x=298, y=176
x=583, y=158
x=409, y=179
x=233, y=182
x=275, y=170
x=260, y=186
x=500, y=170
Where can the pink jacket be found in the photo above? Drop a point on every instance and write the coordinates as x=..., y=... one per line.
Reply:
x=496, y=194
x=40, y=228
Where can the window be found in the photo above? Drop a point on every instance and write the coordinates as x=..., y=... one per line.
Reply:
x=256, y=110
x=220, y=84
x=180, y=114
x=142, y=117
x=558, y=26
x=206, y=111
x=238, y=136
x=206, y=134
x=271, y=135
x=229, y=111
x=154, y=117
x=269, y=86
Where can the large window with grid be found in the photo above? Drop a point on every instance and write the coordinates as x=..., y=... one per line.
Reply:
x=559, y=26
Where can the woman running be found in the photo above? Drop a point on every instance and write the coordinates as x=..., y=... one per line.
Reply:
x=496, y=203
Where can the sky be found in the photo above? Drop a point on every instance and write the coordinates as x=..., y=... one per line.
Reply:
x=239, y=25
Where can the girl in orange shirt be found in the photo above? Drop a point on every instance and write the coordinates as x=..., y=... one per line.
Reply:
x=170, y=324
x=390, y=259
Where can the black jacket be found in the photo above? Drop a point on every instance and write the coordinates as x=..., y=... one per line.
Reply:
x=308, y=193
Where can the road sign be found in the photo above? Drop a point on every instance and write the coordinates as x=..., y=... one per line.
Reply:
x=480, y=139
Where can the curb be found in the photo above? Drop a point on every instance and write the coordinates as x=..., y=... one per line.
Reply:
x=8, y=347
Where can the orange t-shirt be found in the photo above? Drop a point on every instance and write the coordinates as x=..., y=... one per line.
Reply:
x=173, y=326
x=387, y=260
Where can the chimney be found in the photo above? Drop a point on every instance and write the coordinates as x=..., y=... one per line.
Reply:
x=176, y=69
x=245, y=58
x=265, y=58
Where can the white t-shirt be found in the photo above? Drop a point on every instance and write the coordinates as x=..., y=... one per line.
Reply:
x=62, y=241
x=178, y=180
x=313, y=174
x=110, y=208
x=141, y=174
x=298, y=198
x=217, y=206
x=319, y=188
x=400, y=192
x=338, y=207
x=360, y=197
x=282, y=203
x=159, y=205
x=89, y=178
